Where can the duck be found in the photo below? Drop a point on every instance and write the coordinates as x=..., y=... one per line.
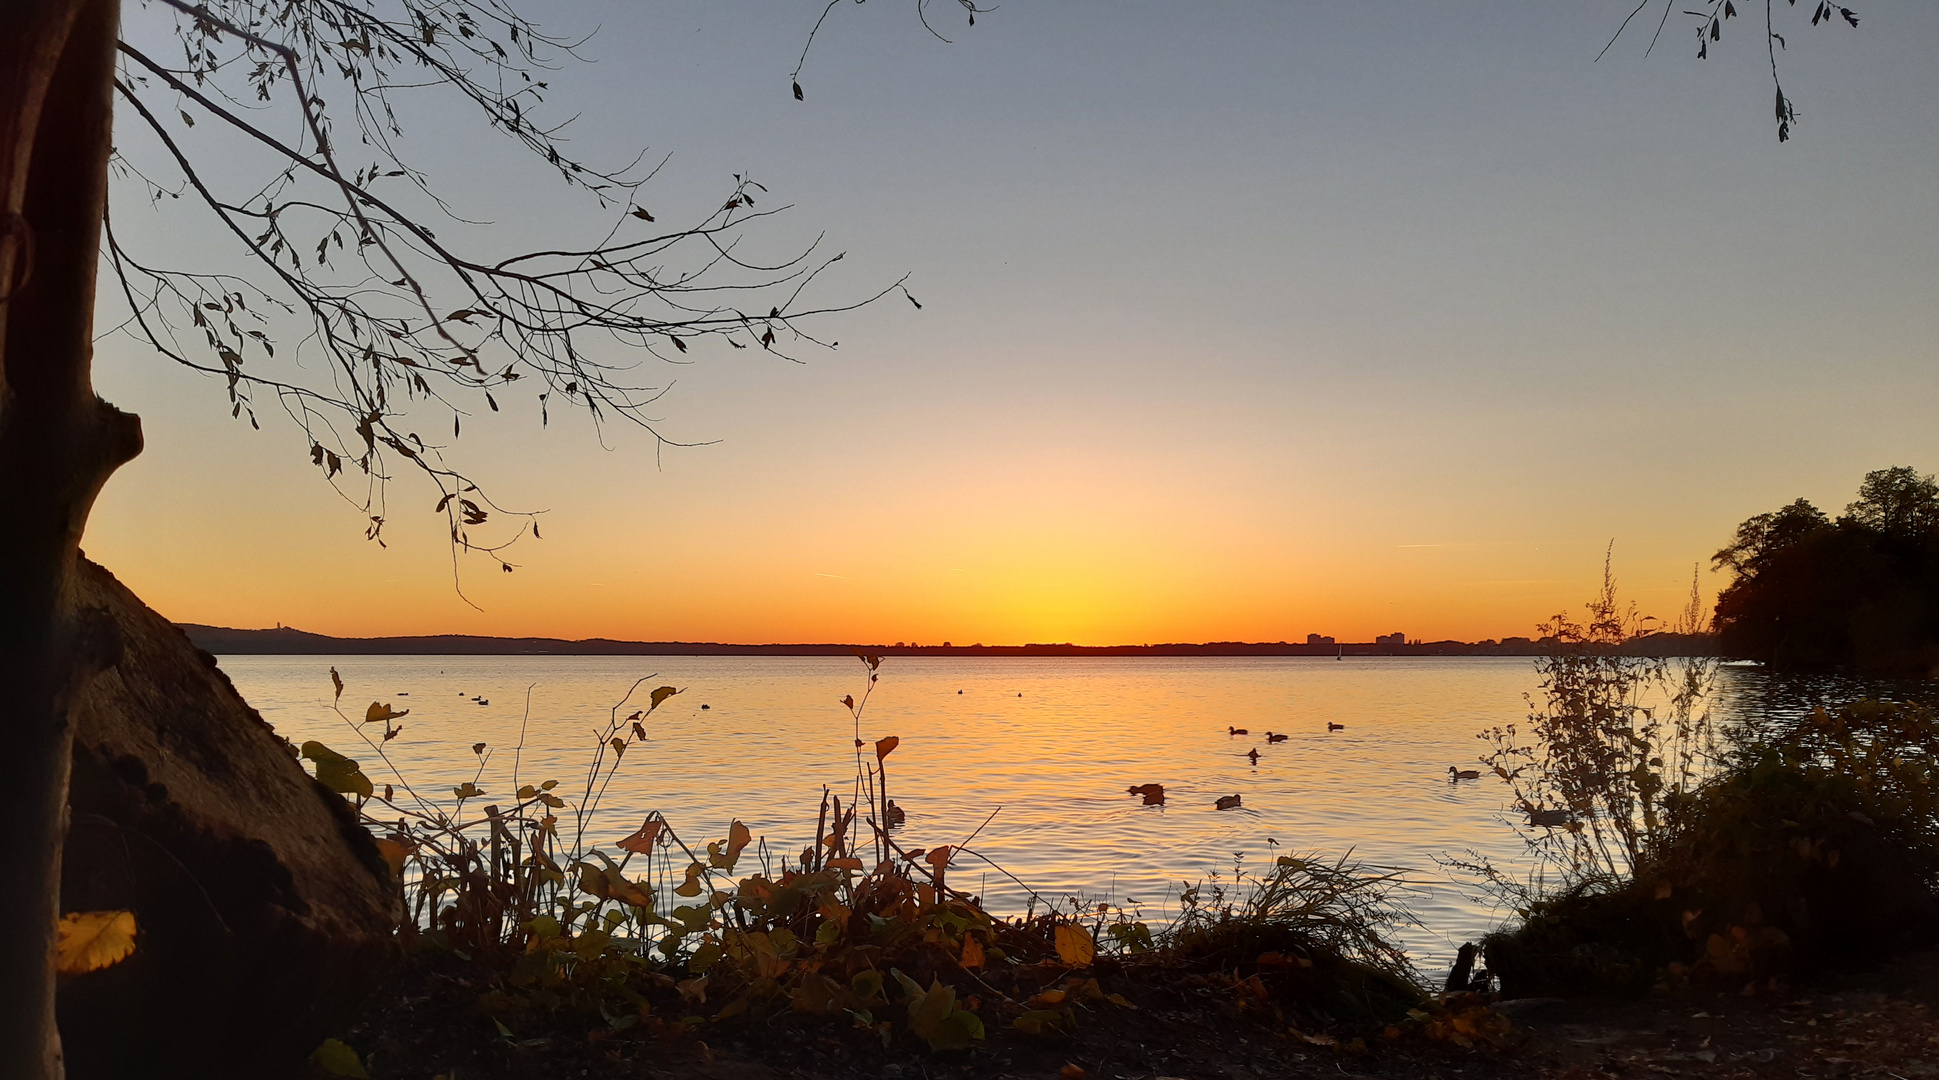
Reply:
x=1237, y=731
x=1154, y=794
x=1271, y=738
x=1549, y=819
x=1331, y=726
x=484, y=701
x=1227, y=802
x=894, y=814
x=1455, y=774
x=706, y=706
x=1254, y=755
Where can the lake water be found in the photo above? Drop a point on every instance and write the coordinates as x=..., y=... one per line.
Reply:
x=1052, y=742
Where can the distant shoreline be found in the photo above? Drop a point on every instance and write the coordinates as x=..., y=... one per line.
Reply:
x=286, y=641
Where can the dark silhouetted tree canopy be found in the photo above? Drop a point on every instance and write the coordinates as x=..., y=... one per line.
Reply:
x=1860, y=593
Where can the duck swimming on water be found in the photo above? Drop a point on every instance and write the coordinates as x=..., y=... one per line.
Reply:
x=1271, y=738
x=1237, y=731
x=1227, y=802
x=1331, y=726
x=1455, y=774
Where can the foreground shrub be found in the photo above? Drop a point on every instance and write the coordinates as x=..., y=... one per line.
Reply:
x=1814, y=845
x=519, y=908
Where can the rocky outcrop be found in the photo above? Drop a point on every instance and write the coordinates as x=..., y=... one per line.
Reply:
x=266, y=912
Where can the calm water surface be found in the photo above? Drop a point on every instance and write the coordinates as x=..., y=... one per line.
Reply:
x=1053, y=742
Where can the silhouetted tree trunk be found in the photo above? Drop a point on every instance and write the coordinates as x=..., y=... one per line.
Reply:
x=58, y=444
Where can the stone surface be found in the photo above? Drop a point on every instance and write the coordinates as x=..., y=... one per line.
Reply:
x=265, y=911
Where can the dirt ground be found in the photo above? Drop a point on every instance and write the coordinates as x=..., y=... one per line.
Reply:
x=1874, y=1023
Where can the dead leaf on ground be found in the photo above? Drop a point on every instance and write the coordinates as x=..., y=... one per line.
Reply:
x=91, y=940
x=1075, y=946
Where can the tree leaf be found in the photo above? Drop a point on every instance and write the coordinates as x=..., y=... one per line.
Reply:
x=393, y=852
x=641, y=841
x=382, y=712
x=336, y=772
x=886, y=746
x=337, y=1059
x=661, y=694
x=87, y=941
x=972, y=953
x=738, y=837
x=1075, y=947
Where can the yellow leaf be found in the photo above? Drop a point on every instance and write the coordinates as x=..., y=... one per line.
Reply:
x=738, y=837
x=337, y=1059
x=337, y=680
x=394, y=852
x=1075, y=946
x=691, y=886
x=972, y=953
x=90, y=940
x=1071, y=1071
x=885, y=746
x=336, y=772
x=1663, y=890
x=845, y=864
x=661, y=694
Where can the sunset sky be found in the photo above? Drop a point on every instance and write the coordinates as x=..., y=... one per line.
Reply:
x=1240, y=321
